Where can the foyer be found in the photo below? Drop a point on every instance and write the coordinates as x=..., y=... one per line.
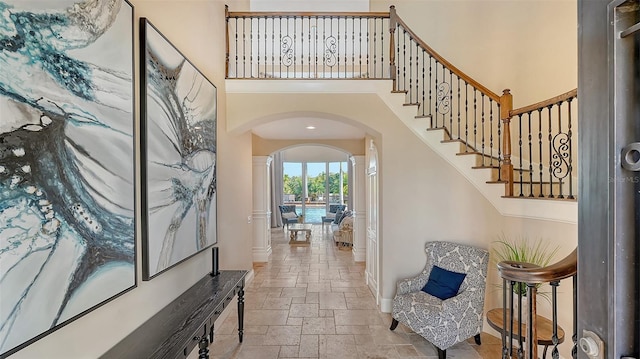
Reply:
x=313, y=302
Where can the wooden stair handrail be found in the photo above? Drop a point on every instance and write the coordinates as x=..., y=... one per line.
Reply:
x=528, y=273
x=542, y=104
x=446, y=63
x=288, y=14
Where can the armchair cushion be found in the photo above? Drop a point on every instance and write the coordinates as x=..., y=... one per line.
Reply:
x=442, y=283
x=289, y=215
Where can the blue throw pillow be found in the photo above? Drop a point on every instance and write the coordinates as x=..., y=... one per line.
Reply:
x=442, y=283
x=338, y=218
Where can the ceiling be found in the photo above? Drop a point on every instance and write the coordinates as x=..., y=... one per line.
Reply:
x=295, y=128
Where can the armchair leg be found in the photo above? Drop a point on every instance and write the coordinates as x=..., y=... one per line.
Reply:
x=442, y=354
x=394, y=324
x=477, y=339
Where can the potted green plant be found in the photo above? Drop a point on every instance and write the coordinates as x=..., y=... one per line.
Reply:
x=536, y=252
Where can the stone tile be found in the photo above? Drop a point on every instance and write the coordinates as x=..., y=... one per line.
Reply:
x=309, y=346
x=294, y=321
x=279, y=283
x=287, y=351
x=255, y=329
x=361, y=303
x=283, y=335
x=357, y=317
x=352, y=329
x=338, y=346
x=318, y=326
x=312, y=298
x=332, y=301
x=265, y=317
x=406, y=350
x=378, y=351
x=303, y=310
x=298, y=300
x=325, y=313
x=276, y=303
x=382, y=335
x=262, y=352
x=293, y=292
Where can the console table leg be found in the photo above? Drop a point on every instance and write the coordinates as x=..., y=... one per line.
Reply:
x=203, y=353
x=241, y=313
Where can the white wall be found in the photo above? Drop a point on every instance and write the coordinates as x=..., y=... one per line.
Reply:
x=202, y=41
x=501, y=43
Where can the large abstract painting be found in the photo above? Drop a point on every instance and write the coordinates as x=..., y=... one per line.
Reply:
x=178, y=107
x=67, y=213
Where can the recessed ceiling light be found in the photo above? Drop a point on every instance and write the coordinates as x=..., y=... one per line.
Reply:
x=311, y=127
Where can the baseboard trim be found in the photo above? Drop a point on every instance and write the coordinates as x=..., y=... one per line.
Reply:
x=386, y=304
x=261, y=255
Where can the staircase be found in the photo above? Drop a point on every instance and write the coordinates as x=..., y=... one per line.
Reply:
x=470, y=126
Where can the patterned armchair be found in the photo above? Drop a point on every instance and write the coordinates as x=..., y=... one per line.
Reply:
x=288, y=214
x=445, y=322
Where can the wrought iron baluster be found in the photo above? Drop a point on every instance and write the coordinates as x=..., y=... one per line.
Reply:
x=302, y=47
x=417, y=76
x=423, y=84
x=500, y=159
x=368, y=47
x=520, y=286
x=540, y=145
x=475, y=119
x=483, y=120
x=338, y=49
x=559, y=148
x=458, y=107
x=466, y=116
x=324, y=41
x=280, y=52
x=404, y=59
x=309, y=55
x=437, y=99
x=505, y=351
x=550, y=138
x=397, y=34
x=530, y=156
x=520, y=152
x=375, y=47
x=244, y=51
x=554, y=338
x=236, y=37
x=451, y=101
x=266, y=58
x=491, y=133
x=410, y=70
x=315, y=50
x=353, y=48
x=258, y=47
x=294, y=45
x=430, y=103
x=360, y=47
x=569, y=133
x=251, y=47
x=273, y=44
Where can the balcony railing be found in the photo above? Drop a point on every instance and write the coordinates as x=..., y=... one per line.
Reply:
x=380, y=45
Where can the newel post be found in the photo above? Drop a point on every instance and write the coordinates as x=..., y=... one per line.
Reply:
x=393, y=23
x=506, y=170
x=226, y=63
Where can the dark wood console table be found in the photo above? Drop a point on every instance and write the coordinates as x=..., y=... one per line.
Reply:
x=186, y=322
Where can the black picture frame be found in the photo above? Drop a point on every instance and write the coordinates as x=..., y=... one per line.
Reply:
x=67, y=164
x=178, y=106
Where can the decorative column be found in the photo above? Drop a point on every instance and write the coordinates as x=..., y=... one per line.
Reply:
x=359, y=208
x=261, y=208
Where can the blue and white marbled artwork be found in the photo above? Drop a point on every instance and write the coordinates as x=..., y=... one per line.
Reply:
x=180, y=115
x=67, y=221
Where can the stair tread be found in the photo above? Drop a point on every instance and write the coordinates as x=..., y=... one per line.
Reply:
x=481, y=167
x=497, y=182
x=423, y=116
x=574, y=199
x=400, y=91
x=412, y=104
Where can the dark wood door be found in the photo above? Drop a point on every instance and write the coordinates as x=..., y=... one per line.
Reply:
x=609, y=189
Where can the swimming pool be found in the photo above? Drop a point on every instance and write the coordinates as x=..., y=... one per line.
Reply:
x=313, y=214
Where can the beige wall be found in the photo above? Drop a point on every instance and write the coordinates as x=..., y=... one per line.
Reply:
x=265, y=147
x=202, y=42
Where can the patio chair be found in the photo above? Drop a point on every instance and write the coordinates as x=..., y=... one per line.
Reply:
x=331, y=215
x=435, y=308
x=288, y=214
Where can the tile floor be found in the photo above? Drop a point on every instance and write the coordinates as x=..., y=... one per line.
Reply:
x=312, y=302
